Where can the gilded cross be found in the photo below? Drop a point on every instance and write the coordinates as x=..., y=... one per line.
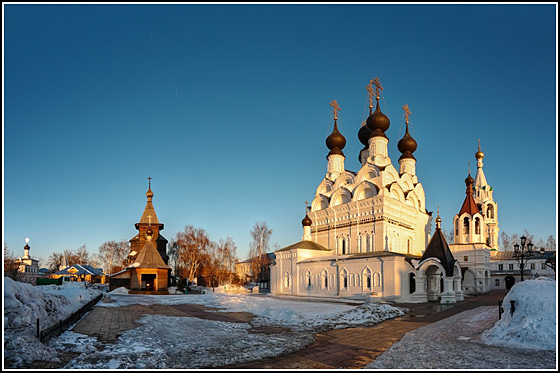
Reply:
x=406, y=112
x=336, y=108
x=149, y=220
x=306, y=203
x=478, y=144
x=378, y=86
x=369, y=88
x=149, y=182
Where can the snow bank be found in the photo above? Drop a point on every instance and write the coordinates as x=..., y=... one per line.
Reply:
x=533, y=323
x=122, y=290
x=24, y=304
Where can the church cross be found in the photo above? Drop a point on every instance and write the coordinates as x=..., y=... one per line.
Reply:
x=478, y=144
x=336, y=108
x=378, y=86
x=150, y=220
x=149, y=182
x=406, y=112
x=369, y=88
x=306, y=203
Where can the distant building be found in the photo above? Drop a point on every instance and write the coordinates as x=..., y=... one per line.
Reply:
x=26, y=264
x=505, y=271
x=82, y=273
x=244, y=271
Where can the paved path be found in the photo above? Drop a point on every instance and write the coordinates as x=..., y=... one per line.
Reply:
x=357, y=347
x=339, y=348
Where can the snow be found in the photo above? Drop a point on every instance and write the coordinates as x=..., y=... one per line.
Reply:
x=25, y=303
x=473, y=339
x=533, y=323
x=477, y=339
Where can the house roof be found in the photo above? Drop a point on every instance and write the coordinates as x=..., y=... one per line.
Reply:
x=306, y=245
x=81, y=269
x=149, y=258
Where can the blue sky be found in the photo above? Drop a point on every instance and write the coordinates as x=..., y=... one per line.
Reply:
x=226, y=107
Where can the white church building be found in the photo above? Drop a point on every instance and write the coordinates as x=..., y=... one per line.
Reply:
x=367, y=234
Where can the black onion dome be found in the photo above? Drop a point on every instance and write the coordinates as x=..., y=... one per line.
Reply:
x=335, y=139
x=469, y=180
x=378, y=120
x=407, y=143
x=149, y=232
x=306, y=222
x=363, y=134
x=377, y=133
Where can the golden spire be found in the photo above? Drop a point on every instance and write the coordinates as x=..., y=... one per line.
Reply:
x=438, y=219
x=378, y=87
x=336, y=108
x=406, y=112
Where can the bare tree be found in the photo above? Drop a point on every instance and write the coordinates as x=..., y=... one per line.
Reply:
x=257, y=251
x=10, y=265
x=55, y=261
x=82, y=255
x=192, y=246
x=551, y=243
x=113, y=254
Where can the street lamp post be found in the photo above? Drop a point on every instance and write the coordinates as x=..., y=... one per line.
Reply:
x=523, y=253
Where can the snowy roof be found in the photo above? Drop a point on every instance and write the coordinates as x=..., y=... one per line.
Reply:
x=81, y=269
x=508, y=255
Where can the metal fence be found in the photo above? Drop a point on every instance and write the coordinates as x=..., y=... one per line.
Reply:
x=48, y=333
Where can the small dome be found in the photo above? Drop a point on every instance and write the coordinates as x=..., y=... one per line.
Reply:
x=469, y=180
x=363, y=134
x=378, y=120
x=479, y=154
x=377, y=133
x=335, y=139
x=149, y=193
x=306, y=222
x=26, y=247
x=149, y=232
x=407, y=143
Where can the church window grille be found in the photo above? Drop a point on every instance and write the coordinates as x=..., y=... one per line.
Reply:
x=497, y=282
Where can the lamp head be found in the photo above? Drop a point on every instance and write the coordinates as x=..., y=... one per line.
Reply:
x=516, y=248
x=523, y=240
x=530, y=247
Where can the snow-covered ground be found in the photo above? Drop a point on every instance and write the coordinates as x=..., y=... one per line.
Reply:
x=176, y=342
x=477, y=339
x=473, y=339
x=24, y=304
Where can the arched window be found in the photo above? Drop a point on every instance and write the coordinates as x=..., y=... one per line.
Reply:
x=477, y=226
x=377, y=280
x=466, y=225
x=287, y=280
x=344, y=279
x=412, y=282
x=308, y=277
x=368, y=282
x=408, y=246
x=360, y=243
x=457, y=227
x=343, y=246
x=490, y=212
x=325, y=280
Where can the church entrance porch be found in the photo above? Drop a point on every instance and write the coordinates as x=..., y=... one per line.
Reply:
x=148, y=281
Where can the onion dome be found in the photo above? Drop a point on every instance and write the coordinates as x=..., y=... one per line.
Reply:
x=149, y=193
x=363, y=134
x=335, y=141
x=469, y=180
x=479, y=154
x=378, y=122
x=407, y=145
x=306, y=222
x=149, y=233
x=26, y=247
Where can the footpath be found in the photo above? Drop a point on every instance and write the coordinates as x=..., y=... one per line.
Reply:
x=357, y=347
x=339, y=348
